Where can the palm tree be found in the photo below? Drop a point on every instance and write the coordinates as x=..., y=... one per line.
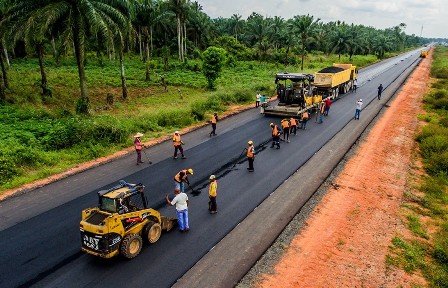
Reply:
x=236, y=25
x=354, y=40
x=340, y=40
x=305, y=26
x=277, y=30
x=4, y=7
x=27, y=27
x=257, y=30
x=180, y=8
x=382, y=44
x=149, y=16
x=78, y=19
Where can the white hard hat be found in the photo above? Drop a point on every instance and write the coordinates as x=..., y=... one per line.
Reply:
x=212, y=177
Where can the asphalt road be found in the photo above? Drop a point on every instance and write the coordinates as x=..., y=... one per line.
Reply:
x=39, y=230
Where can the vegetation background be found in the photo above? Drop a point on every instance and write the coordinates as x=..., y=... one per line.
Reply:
x=426, y=207
x=80, y=77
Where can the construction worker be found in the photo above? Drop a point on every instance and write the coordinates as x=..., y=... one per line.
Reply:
x=138, y=145
x=285, y=126
x=320, y=113
x=213, y=121
x=181, y=178
x=178, y=145
x=305, y=117
x=275, y=135
x=293, y=128
x=250, y=155
x=327, y=102
x=212, y=193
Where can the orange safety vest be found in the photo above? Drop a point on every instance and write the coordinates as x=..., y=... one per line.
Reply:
x=176, y=140
x=213, y=119
x=285, y=124
x=250, y=151
x=213, y=188
x=275, y=131
x=293, y=122
x=177, y=177
x=305, y=115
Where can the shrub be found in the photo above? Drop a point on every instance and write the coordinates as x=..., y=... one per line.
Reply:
x=198, y=110
x=226, y=98
x=173, y=118
x=243, y=95
x=82, y=105
x=61, y=135
x=8, y=169
x=438, y=163
x=213, y=103
x=441, y=104
x=435, y=144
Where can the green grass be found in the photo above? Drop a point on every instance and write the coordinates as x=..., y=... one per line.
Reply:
x=42, y=135
x=427, y=253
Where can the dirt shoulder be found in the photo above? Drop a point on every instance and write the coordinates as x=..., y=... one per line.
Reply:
x=346, y=238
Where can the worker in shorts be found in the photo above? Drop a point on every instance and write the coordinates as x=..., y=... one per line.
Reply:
x=181, y=178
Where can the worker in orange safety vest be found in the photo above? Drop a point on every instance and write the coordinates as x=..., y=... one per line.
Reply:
x=250, y=155
x=275, y=135
x=285, y=126
x=178, y=145
x=293, y=128
x=213, y=121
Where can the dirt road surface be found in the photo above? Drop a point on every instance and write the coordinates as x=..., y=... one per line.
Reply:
x=345, y=241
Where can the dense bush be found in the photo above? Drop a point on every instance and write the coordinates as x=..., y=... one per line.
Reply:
x=8, y=169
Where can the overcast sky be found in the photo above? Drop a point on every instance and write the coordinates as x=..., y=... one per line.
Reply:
x=431, y=14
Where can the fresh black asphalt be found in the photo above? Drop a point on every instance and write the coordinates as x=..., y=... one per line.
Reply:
x=40, y=237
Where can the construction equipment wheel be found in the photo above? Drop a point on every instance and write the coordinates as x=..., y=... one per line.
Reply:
x=152, y=232
x=131, y=245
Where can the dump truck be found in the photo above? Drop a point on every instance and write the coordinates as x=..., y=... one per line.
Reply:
x=331, y=81
x=121, y=222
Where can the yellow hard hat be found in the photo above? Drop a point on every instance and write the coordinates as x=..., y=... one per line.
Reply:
x=250, y=142
x=272, y=124
x=190, y=171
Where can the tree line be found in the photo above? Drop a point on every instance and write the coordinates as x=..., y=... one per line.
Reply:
x=164, y=28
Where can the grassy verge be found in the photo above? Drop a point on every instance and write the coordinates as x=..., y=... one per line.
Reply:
x=426, y=208
x=42, y=136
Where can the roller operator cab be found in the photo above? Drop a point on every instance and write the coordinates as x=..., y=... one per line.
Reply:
x=121, y=222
